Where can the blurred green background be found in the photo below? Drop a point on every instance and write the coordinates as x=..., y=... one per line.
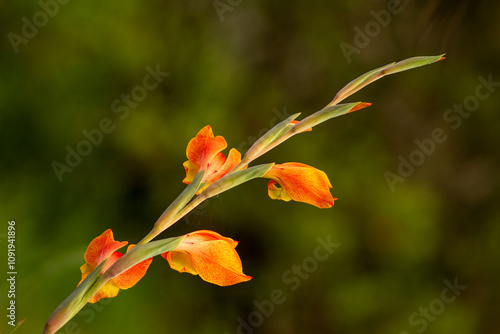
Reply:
x=241, y=68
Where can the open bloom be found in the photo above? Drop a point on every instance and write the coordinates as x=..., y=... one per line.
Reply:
x=204, y=152
x=104, y=248
x=210, y=255
x=300, y=182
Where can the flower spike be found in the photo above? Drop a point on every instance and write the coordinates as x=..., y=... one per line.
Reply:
x=208, y=173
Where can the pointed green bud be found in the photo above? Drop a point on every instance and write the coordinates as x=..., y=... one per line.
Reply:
x=140, y=253
x=277, y=131
x=411, y=63
x=180, y=202
x=371, y=76
x=73, y=303
x=326, y=114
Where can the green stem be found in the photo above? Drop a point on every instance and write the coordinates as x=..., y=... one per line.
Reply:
x=150, y=236
x=193, y=204
x=343, y=95
x=166, y=220
x=169, y=216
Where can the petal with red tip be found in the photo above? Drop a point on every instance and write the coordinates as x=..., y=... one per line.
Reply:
x=209, y=255
x=300, y=182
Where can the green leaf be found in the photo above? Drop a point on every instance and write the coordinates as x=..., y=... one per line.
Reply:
x=141, y=253
x=234, y=179
x=369, y=77
x=411, y=63
x=360, y=81
x=323, y=115
x=271, y=135
x=73, y=303
x=180, y=201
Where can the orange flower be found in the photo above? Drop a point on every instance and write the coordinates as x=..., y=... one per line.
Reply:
x=104, y=248
x=300, y=182
x=209, y=255
x=204, y=152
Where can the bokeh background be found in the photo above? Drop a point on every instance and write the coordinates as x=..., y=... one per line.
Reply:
x=241, y=68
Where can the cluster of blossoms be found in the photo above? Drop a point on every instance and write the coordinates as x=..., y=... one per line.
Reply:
x=208, y=173
x=207, y=253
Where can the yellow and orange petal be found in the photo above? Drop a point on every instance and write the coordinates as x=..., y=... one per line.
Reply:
x=210, y=255
x=87, y=268
x=131, y=276
x=191, y=171
x=97, y=252
x=232, y=160
x=214, y=165
x=218, y=167
x=204, y=147
x=102, y=247
x=301, y=183
x=204, y=152
x=109, y=290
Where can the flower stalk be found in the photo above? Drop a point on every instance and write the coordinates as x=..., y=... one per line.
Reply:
x=209, y=173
